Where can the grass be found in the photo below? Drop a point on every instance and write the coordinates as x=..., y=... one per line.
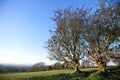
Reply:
x=25, y=75
x=86, y=74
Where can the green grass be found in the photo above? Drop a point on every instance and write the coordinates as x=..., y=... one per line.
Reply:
x=86, y=74
x=89, y=69
x=25, y=75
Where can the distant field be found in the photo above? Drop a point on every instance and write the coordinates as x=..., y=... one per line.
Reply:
x=87, y=74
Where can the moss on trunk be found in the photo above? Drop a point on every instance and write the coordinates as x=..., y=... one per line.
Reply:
x=76, y=68
x=101, y=67
x=101, y=64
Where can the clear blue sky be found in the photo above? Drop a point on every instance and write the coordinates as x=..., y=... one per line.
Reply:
x=25, y=25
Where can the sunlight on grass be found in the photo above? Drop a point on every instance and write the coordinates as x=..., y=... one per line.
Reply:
x=33, y=74
x=86, y=74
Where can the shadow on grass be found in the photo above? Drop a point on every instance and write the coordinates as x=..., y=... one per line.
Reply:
x=111, y=74
x=64, y=76
x=77, y=76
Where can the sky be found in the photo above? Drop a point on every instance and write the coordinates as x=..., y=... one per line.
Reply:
x=25, y=25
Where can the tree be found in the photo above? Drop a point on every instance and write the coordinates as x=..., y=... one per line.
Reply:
x=57, y=66
x=65, y=43
x=38, y=67
x=94, y=35
x=49, y=67
x=103, y=36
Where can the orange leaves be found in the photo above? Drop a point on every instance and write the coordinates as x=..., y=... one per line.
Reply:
x=92, y=53
x=105, y=61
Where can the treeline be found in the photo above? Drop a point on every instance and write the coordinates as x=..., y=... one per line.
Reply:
x=42, y=67
x=36, y=67
x=13, y=68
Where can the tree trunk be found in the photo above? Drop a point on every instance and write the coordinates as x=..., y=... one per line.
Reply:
x=101, y=66
x=76, y=68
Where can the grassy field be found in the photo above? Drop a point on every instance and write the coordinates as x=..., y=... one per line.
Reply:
x=28, y=75
x=86, y=74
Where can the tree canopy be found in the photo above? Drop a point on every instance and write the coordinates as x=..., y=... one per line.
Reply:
x=82, y=32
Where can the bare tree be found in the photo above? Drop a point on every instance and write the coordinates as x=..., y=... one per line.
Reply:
x=65, y=44
x=103, y=36
x=78, y=33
